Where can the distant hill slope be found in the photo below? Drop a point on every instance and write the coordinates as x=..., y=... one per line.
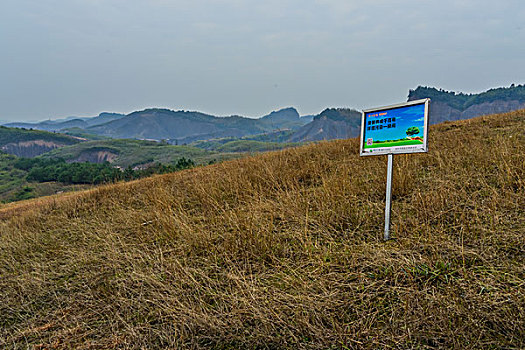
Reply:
x=61, y=124
x=127, y=152
x=31, y=143
x=186, y=127
x=287, y=118
x=284, y=251
x=449, y=105
x=332, y=123
x=260, y=142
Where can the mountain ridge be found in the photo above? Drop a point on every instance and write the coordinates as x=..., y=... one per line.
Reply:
x=69, y=122
x=332, y=123
x=183, y=127
x=449, y=105
x=31, y=143
x=187, y=126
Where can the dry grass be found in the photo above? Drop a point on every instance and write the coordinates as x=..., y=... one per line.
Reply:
x=282, y=250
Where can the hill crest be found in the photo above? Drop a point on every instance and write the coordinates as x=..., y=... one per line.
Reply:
x=450, y=105
x=31, y=143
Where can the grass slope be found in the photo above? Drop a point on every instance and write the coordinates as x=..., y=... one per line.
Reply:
x=10, y=177
x=15, y=135
x=134, y=152
x=254, y=146
x=14, y=185
x=257, y=143
x=282, y=250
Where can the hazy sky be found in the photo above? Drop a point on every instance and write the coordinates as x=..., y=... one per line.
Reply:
x=80, y=57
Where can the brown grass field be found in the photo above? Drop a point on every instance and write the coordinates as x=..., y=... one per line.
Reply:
x=282, y=250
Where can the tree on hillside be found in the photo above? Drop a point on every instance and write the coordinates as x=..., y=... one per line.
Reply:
x=413, y=130
x=129, y=173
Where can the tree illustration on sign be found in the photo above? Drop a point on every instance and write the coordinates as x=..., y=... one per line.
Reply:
x=413, y=130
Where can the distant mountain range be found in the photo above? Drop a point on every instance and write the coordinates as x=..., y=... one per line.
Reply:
x=176, y=126
x=185, y=127
x=332, y=123
x=450, y=105
x=67, y=123
x=285, y=125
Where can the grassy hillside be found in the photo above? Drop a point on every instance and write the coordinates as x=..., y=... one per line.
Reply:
x=10, y=177
x=135, y=152
x=17, y=183
x=282, y=250
x=10, y=135
x=256, y=143
x=229, y=145
x=32, y=143
x=14, y=185
x=79, y=132
x=254, y=146
x=25, y=178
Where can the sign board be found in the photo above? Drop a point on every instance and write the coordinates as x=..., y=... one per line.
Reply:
x=401, y=128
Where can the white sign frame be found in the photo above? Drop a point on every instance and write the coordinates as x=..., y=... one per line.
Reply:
x=396, y=149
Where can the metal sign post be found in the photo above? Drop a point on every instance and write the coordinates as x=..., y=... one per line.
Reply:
x=396, y=129
x=388, y=205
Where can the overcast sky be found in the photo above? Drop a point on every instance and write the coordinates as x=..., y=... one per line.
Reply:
x=80, y=57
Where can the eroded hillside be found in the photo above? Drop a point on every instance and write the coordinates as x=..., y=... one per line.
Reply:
x=31, y=143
